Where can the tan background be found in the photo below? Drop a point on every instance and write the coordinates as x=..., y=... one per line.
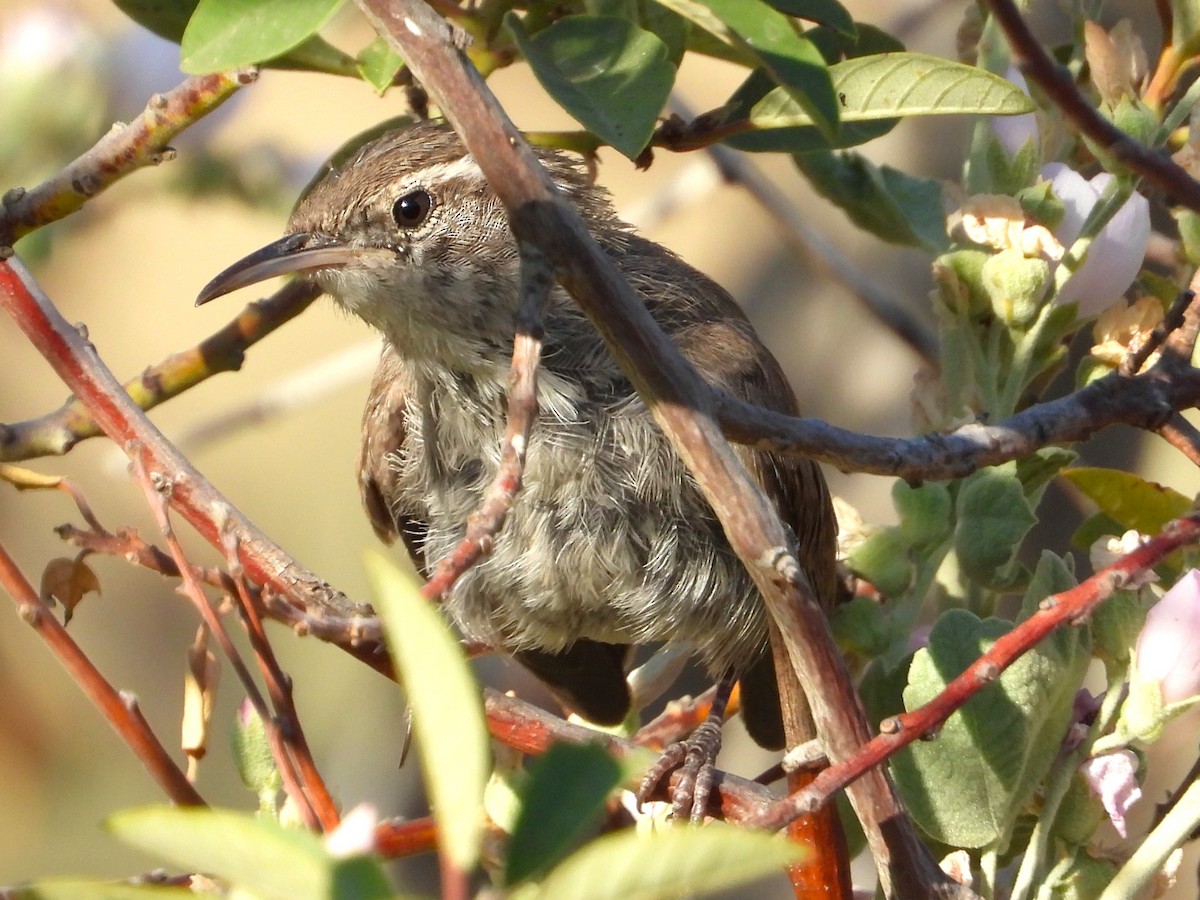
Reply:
x=131, y=276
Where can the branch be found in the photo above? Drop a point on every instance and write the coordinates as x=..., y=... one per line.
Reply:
x=299, y=595
x=536, y=280
x=143, y=142
x=1143, y=401
x=532, y=730
x=682, y=405
x=1071, y=607
x=224, y=351
x=1152, y=164
x=119, y=708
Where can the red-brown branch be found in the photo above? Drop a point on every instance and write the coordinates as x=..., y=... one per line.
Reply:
x=1067, y=608
x=120, y=709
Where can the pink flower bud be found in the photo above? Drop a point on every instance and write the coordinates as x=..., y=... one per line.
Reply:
x=1168, y=648
x=1115, y=256
x=1113, y=778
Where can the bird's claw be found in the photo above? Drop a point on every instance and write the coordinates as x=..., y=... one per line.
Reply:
x=695, y=758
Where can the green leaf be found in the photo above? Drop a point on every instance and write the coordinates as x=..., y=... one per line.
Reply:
x=378, y=64
x=890, y=204
x=924, y=511
x=966, y=787
x=562, y=801
x=609, y=74
x=448, y=720
x=774, y=43
x=1129, y=499
x=1037, y=470
x=224, y=34
x=885, y=560
x=824, y=12
x=992, y=518
x=626, y=865
x=166, y=18
x=672, y=29
x=900, y=85
x=866, y=40
x=251, y=853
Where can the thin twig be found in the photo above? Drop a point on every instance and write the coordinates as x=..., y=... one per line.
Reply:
x=343, y=631
x=537, y=277
x=279, y=687
x=120, y=709
x=224, y=351
x=143, y=142
x=1183, y=436
x=1070, y=607
x=1133, y=362
x=157, y=489
x=1154, y=165
x=293, y=593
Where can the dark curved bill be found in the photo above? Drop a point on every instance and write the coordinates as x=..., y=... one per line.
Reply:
x=292, y=253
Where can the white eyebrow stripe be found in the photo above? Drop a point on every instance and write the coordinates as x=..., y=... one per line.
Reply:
x=464, y=167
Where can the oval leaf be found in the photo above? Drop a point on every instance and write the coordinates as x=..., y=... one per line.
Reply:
x=993, y=517
x=610, y=75
x=225, y=34
x=1128, y=499
x=966, y=787
x=562, y=800
x=890, y=204
x=447, y=709
x=898, y=85
x=251, y=853
x=668, y=863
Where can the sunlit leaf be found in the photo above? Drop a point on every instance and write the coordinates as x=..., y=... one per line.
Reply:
x=447, y=709
x=378, y=64
x=898, y=85
x=1129, y=499
x=776, y=45
x=251, y=853
x=668, y=863
x=225, y=34
x=966, y=787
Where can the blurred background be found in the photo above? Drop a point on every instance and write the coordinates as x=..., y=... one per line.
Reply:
x=129, y=267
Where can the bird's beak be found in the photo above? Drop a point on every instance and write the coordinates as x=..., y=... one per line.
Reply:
x=301, y=252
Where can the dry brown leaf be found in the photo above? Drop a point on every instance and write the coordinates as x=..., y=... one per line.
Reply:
x=66, y=581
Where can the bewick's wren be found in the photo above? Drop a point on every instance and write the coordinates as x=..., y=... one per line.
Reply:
x=610, y=543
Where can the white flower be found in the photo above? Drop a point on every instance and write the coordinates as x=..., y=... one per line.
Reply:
x=1168, y=649
x=1014, y=132
x=355, y=834
x=1115, y=256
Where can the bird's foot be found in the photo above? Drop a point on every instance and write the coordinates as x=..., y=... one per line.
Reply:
x=695, y=758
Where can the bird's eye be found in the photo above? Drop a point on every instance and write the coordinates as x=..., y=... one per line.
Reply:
x=412, y=209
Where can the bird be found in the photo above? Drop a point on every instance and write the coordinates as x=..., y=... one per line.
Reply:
x=610, y=543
